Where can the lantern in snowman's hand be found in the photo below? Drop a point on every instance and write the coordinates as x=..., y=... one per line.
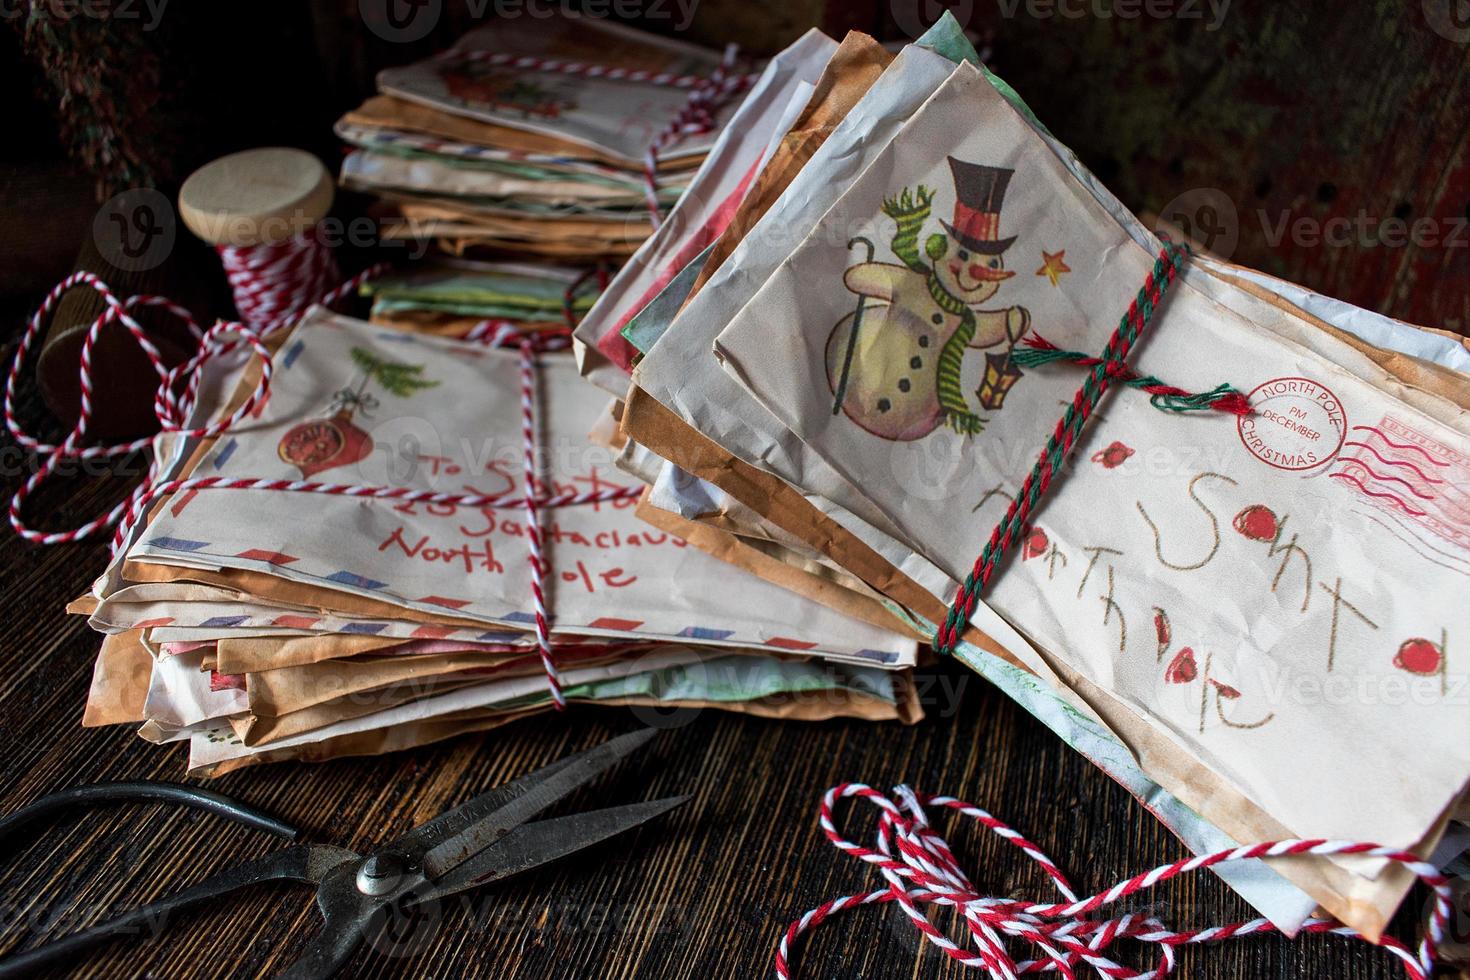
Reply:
x=894, y=364
x=327, y=443
x=1000, y=373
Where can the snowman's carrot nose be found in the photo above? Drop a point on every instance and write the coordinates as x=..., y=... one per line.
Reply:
x=988, y=274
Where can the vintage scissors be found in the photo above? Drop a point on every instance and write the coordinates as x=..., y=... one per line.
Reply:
x=480, y=841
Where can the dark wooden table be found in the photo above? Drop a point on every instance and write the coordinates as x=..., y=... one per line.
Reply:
x=705, y=893
x=708, y=892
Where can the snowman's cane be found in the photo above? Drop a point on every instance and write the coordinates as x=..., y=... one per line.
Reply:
x=852, y=334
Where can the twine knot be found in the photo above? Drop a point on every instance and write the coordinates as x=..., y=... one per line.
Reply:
x=921, y=870
x=1039, y=351
x=695, y=118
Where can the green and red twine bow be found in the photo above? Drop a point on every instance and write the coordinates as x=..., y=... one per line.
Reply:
x=1165, y=397
x=1075, y=933
x=1103, y=372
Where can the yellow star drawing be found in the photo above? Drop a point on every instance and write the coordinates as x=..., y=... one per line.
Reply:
x=1052, y=265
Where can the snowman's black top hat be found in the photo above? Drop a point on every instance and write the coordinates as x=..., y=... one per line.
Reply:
x=979, y=191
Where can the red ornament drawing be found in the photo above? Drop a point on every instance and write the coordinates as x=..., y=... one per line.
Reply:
x=1419, y=656
x=1115, y=455
x=1182, y=669
x=1036, y=544
x=1257, y=522
x=323, y=444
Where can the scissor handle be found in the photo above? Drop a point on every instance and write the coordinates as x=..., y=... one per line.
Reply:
x=350, y=916
x=66, y=800
x=327, y=953
x=303, y=862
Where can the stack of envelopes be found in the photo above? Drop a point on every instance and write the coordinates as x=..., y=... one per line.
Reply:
x=1248, y=621
x=273, y=624
x=453, y=297
x=258, y=625
x=481, y=153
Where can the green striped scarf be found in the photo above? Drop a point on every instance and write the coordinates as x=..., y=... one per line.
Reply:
x=957, y=414
x=909, y=213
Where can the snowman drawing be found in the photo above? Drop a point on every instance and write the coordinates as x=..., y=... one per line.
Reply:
x=894, y=363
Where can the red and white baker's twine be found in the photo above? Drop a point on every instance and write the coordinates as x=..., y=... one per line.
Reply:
x=171, y=405
x=503, y=333
x=273, y=282
x=921, y=870
x=533, y=518
x=696, y=117
x=174, y=406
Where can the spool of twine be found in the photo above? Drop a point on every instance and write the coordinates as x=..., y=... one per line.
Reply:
x=262, y=209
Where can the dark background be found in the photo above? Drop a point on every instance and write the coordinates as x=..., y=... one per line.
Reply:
x=1272, y=114
x=1287, y=115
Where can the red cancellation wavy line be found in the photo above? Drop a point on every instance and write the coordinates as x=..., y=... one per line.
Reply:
x=1388, y=479
x=1395, y=498
x=1400, y=445
x=1395, y=462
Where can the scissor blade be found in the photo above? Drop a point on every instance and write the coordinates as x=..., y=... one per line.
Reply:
x=534, y=844
x=452, y=837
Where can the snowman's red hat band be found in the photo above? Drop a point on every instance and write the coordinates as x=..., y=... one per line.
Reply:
x=976, y=230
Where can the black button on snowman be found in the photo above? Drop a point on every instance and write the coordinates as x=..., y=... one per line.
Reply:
x=880, y=358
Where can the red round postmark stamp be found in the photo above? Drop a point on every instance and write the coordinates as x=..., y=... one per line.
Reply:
x=1298, y=423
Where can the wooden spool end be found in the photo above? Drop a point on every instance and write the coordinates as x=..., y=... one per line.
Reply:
x=256, y=197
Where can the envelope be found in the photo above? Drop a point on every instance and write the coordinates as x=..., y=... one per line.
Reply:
x=434, y=559
x=1212, y=527
x=615, y=117
x=648, y=421
x=702, y=213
